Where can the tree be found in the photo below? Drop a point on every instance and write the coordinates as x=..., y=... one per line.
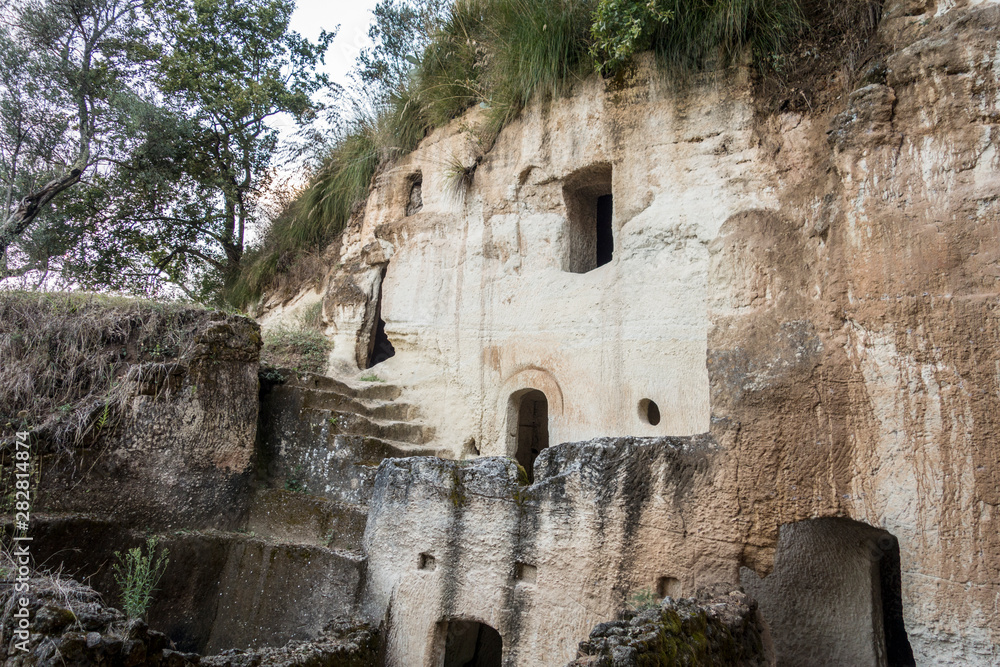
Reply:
x=400, y=31
x=232, y=65
x=62, y=65
x=179, y=178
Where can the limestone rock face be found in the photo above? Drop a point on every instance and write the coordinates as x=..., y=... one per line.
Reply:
x=453, y=543
x=816, y=289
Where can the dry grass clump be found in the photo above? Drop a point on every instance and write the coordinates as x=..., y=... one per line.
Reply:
x=51, y=587
x=65, y=357
x=302, y=347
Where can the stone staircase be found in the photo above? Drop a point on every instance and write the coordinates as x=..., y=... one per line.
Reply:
x=320, y=442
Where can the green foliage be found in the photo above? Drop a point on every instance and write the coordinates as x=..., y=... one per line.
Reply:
x=642, y=599
x=622, y=28
x=294, y=484
x=176, y=100
x=499, y=54
x=721, y=31
x=399, y=33
x=137, y=573
x=371, y=377
x=298, y=348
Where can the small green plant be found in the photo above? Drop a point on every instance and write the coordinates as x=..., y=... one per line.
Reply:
x=300, y=349
x=642, y=599
x=371, y=377
x=137, y=573
x=294, y=484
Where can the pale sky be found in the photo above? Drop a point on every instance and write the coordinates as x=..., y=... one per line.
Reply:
x=353, y=16
x=311, y=16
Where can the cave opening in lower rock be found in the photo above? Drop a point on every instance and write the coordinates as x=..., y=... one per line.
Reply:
x=834, y=596
x=472, y=644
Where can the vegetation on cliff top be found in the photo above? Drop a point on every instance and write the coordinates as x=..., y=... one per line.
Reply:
x=135, y=147
x=500, y=54
x=65, y=357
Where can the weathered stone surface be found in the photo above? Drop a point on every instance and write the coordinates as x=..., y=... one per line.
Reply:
x=182, y=453
x=70, y=625
x=542, y=564
x=816, y=287
x=61, y=634
x=724, y=630
x=322, y=436
x=340, y=645
x=220, y=590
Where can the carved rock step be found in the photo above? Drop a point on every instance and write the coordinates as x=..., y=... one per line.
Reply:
x=371, y=450
x=299, y=518
x=362, y=390
x=348, y=423
x=319, y=399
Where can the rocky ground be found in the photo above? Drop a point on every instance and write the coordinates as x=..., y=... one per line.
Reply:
x=70, y=626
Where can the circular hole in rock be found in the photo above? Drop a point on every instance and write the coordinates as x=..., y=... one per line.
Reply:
x=649, y=412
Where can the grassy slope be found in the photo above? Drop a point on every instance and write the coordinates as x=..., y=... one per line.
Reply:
x=65, y=354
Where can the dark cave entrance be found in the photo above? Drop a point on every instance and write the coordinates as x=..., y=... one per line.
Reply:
x=532, y=434
x=589, y=214
x=835, y=596
x=472, y=644
x=898, y=651
x=380, y=347
x=605, y=235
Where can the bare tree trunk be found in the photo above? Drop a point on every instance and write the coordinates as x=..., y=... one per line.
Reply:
x=28, y=209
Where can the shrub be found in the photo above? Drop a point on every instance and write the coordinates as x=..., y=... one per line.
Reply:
x=301, y=349
x=137, y=573
x=622, y=28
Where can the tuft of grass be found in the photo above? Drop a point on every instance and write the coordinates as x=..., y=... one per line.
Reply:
x=720, y=32
x=67, y=357
x=137, y=573
x=371, y=377
x=298, y=348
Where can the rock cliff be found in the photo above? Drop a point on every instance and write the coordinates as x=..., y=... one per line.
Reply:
x=811, y=278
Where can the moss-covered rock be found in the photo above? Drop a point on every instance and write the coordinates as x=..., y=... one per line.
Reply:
x=711, y=630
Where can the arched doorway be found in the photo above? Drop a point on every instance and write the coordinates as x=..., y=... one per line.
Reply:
x=531, y=415
x=471, y=644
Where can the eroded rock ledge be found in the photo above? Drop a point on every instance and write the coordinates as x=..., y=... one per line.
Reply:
x=725, y=630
